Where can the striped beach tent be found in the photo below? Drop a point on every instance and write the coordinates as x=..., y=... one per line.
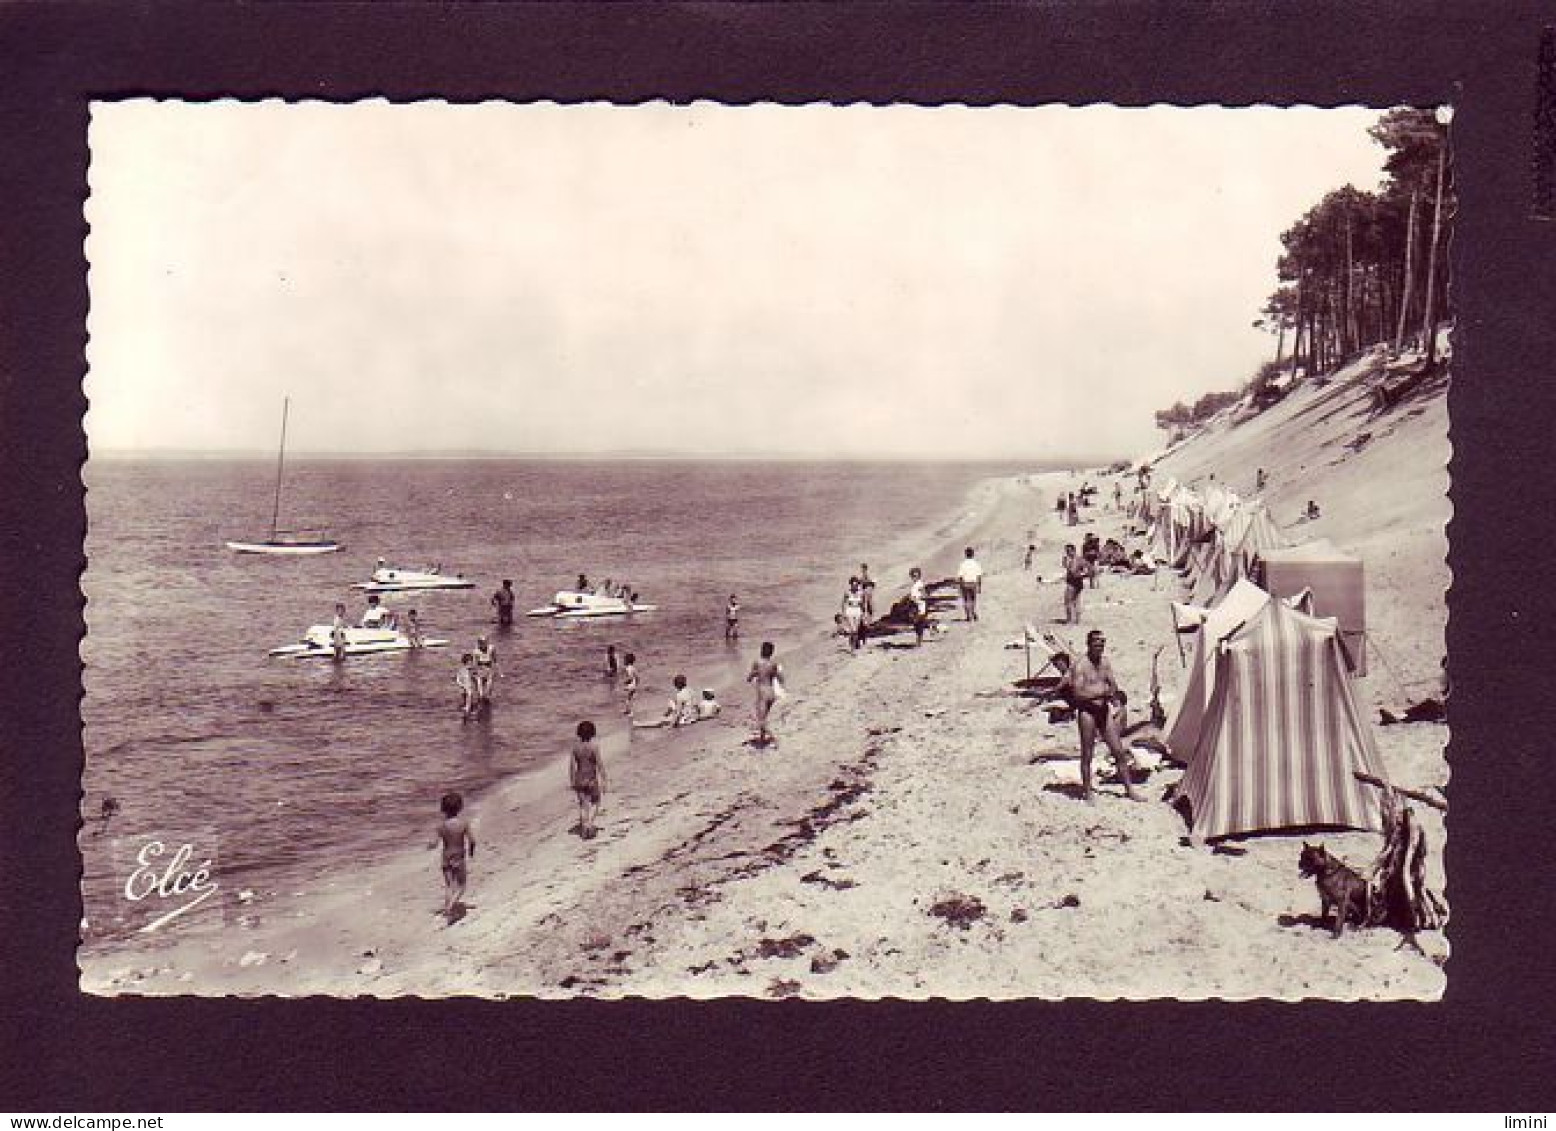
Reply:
x=1240, y=605
x=1283, y=735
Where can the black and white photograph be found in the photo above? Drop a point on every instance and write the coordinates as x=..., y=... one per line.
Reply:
x=667, y=551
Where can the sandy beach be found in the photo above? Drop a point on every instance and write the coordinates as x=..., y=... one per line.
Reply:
x=916, y=831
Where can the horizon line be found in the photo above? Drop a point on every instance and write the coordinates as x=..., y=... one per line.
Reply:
x=486, y=454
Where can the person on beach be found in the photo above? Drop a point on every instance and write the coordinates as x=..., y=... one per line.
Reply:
x=465, y=680
x=767, y=674
x=586, y=774
x=969, y=577
x=338, y=631
x=1091, y=688
x=1260, y=480
x=413, y=629
x=867, y=591
x=853, y=613
x=1072, y=513
x=502, y=601
x=1075, y=570
x=629, y=681
x=1118, y=496
x=732, y=619
x=1031, y=550
x=682, y=708
x=708, y=707
x=583, y=583
x=457, y=840
x=920, y=597
x=612, y=667
x=485, y=657
x=1091, y=550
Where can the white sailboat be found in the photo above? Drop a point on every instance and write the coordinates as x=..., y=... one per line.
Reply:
x=282, y=541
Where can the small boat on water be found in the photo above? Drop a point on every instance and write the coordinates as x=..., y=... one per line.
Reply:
x=392, y=579
x=284, y=541
x=570, y=604
x=318, y=643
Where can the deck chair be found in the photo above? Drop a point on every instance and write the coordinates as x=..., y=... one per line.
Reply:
x=1055, y=654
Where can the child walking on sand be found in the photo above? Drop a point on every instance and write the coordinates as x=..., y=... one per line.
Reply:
x=457, y=841
x=586, y=772
x=767, y=674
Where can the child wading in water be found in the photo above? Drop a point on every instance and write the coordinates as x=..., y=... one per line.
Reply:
x=629, y=681
x=457, y=842
x=464, y=678
x=587, y=774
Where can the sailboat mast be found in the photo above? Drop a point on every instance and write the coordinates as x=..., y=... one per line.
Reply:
x=275, y=515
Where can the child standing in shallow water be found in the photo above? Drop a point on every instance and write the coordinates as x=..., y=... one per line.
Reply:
x=586, y=773
x=457, y=841
x=465, y=680
x=629, y=680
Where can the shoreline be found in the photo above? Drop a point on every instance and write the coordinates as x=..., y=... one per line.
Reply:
x=528, y=806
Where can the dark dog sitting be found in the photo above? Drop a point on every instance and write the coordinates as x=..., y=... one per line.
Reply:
x=1339, y=887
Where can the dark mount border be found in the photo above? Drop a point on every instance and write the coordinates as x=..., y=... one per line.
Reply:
x=1487, y=1047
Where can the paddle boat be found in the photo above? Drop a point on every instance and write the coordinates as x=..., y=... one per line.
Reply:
x=392, y=579
x=318, y=643
x=570, y=604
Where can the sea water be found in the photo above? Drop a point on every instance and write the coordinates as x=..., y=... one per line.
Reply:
x=298, y=766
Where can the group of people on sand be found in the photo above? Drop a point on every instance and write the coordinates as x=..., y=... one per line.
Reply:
x=857, y=614
x=1088, y=684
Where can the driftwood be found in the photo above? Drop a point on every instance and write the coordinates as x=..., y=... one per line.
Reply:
x=1400, y=897
x=1424, y=798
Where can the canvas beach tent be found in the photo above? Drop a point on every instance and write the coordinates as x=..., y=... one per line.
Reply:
x=1209, y=626
x=1338, y=583
x=1248, y=535
x=1282, y=738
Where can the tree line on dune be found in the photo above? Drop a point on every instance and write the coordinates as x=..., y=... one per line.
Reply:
x=1357, y=269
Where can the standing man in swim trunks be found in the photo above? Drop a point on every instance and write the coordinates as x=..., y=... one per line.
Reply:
x=502, y=601
x=766, y=674
x=1091, y=689
x=1075, y=569
x=969, y=576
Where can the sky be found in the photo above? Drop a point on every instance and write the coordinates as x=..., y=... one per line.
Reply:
x=809, y=282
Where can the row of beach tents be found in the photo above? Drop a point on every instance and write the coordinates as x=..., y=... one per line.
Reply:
x=1267, y=725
